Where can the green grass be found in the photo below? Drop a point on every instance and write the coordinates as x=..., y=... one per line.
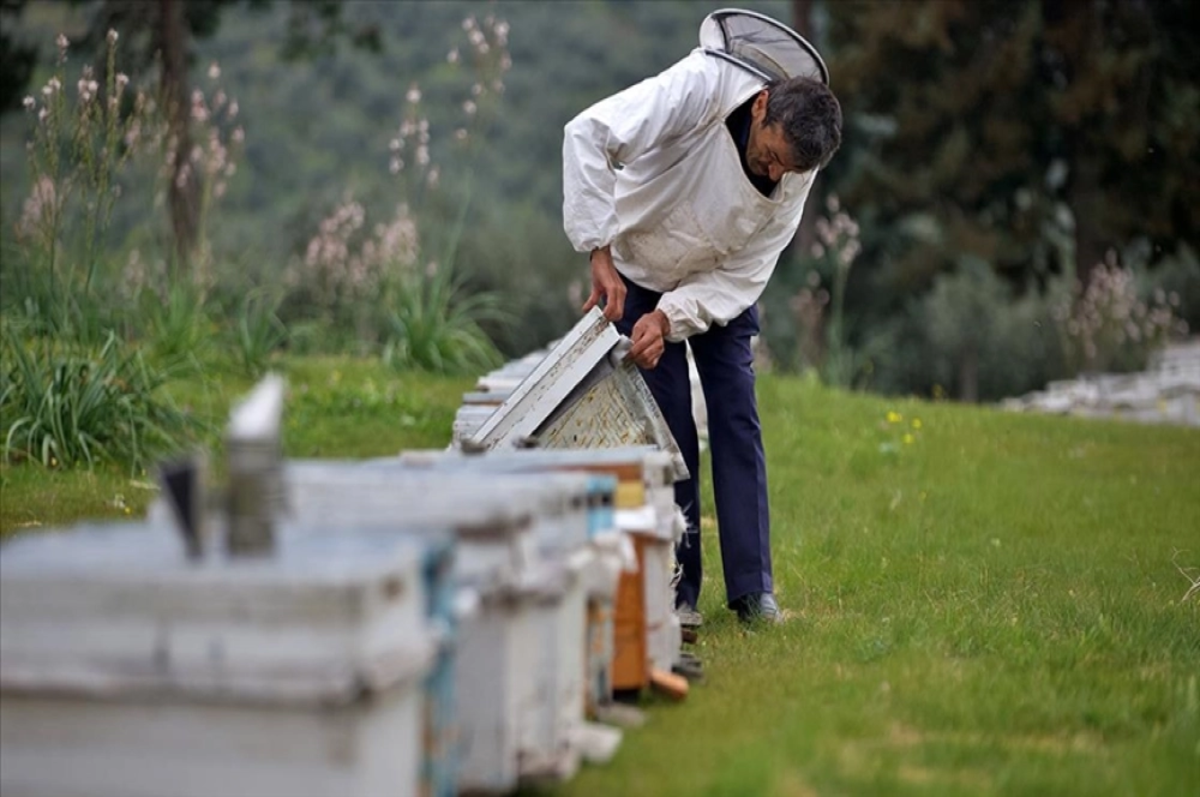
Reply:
x=991, y=609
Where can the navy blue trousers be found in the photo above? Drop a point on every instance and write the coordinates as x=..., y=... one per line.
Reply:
x=739, y=472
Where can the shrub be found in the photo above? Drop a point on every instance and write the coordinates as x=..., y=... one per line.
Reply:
x=1178, y=278
x=961, y=318
x=435, y=326
x=78, y=152
x=64, y=405
x=816, y=335
x=259, y=332
x=176, y=327
x=970, y=336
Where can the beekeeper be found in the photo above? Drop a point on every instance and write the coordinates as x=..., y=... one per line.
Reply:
x=684, y=189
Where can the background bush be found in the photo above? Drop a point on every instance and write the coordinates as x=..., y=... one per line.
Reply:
x=63, y=404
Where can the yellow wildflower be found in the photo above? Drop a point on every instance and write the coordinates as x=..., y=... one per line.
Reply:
x=908, y=439
x=894, y=417
x=916, y=423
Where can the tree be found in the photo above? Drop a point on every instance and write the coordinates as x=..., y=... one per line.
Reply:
x=944, y=164
x=1033, y=134
x=1125, y=111
x=16, y=58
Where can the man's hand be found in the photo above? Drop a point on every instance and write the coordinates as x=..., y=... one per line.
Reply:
x=606, y=285
x=649, y=338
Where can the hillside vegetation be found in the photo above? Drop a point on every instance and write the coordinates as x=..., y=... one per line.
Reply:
x=1014, y=201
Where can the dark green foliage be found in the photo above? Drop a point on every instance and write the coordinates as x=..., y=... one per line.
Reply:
x=17, y=58
x=434, y=325
x=1030, y=137
x=943, y=164
x=1179, y=275
x=65, y=405
x=981, y=341
x=176, y=327
x=258, y=333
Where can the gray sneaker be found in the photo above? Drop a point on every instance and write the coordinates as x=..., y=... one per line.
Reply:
x=758, y=607
x=689, y=617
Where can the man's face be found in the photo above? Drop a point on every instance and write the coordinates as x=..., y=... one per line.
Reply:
x=768, y=153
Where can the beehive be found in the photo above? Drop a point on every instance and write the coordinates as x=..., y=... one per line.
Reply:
x=127, y=669
x=649, y=636
x=521, y=656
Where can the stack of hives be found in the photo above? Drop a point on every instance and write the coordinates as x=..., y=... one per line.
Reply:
x=1168, y=391
x=434, y=623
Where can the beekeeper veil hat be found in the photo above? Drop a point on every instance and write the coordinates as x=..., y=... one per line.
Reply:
x=768, y=48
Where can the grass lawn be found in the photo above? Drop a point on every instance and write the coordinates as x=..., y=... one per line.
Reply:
x=991, y=605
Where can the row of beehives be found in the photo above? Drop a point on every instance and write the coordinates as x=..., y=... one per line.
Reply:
x=434, y=623
x=1167, y=392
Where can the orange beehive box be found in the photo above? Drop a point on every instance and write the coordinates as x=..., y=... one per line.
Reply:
x=631, y=660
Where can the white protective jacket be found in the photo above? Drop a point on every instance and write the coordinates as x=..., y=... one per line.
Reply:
x=654, y=172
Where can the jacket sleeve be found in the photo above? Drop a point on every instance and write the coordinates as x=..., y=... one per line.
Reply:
x=617, y=130
x=721, y=295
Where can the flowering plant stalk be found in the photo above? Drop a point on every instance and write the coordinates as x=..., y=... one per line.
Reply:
x=822, y=341
x=1106, y=326
x=381, y=281
x=76, y=155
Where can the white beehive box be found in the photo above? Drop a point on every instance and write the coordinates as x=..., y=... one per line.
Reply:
x=664, y=635
x=562, y=534
x=651, y=513
x=656, y=470
x=635, y=466
x=510, y=374
x=468, y=418
x=126, y=670
x=520, y=679
x=582, y=394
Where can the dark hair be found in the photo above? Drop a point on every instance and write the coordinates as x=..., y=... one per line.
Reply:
x=811, y=119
